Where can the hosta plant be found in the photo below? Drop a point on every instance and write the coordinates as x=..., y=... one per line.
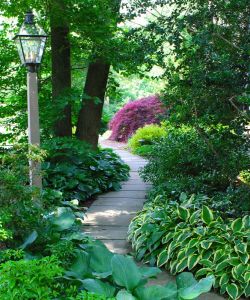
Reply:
x=180, y=237
x=79, y=172
x=100, y=271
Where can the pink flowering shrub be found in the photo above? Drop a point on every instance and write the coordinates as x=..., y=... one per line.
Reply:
x=135, y=115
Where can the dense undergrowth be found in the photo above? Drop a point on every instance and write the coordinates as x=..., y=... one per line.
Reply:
x=197, y=214
x=45, y=255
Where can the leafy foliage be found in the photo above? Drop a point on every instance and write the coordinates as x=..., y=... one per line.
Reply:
x=134, y=115
x=29, y=279
x=79, y=172
x=201, y=160
x=181, y=237
x=146, y=136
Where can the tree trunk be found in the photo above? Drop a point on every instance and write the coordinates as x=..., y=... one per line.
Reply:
x=89, y=118
x=61, y=68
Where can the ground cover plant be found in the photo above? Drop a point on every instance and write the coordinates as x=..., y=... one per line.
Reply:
x=143, y=139
x=79, y=172
x=181, y=236
x=134, y=115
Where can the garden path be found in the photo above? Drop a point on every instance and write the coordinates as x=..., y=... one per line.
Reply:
x=109, y=216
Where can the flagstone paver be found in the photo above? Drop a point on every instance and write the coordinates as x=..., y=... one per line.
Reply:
x=109, y=216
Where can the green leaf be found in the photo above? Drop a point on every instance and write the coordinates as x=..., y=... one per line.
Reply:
x=203, y=271
x=125, y=272
x=100, y=259
x=207, y=215
x=149, y=272
x=162, y=258
x=80, y=267
x=124, y=295
x=241, y=247
x=183, y=213
x=167, y=238
x=156, y=292
x=206, y=263
x=194, y=217
x=244, y=257
x=234, y=261
x=193, y=261
x=192, y=292
x=98, y=287
x=181, y=265
x=29, y=240
x=205, y=244
x=224, y=279
x=221, y=266
x=237, y=225
x=232, y=290
x=63, y=219
x=185, y=279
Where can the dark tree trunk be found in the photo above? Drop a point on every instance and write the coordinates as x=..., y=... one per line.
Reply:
x=61, y=67
x=89, y=118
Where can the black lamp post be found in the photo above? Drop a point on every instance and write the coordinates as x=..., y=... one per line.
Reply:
x=30, y=43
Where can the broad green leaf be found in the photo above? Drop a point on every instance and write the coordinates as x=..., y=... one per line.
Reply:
x=206, y=263
x=237, y=225
x=247, y=276
x=100, y=259
x=244, y=257
x=183, y=213
x=162, y=258
x=29, y=240
x=221, y=266
x=194, y=217
x=193, y=261
x=157, y=292
x=232, y=290
x=63, y=219
x=181, y=265
x=207, y=215
x=224, y=279
x=241, y=247
x=98, y=287
x=193, y=242
x=234, y=261
x=80, y=267
x=185, y=279
x=167, y=238
x=124, y=295
x=149, y=272
x=125, y=272
x=239, y=271
x=205, y=244
x=203, y=271
x=192, y=292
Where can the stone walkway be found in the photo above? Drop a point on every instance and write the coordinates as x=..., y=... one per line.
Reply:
x=109, y=216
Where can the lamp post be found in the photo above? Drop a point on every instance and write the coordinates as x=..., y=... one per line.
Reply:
x=30, y=43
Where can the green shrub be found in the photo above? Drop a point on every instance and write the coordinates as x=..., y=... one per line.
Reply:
x=199, y=160
x=79, y=172
x=33, y=279
x=145, y=136
x=245, y=176
x=182, y=237
x=20, y=213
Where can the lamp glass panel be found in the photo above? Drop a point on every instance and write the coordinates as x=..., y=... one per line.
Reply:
x=19, y=49
x=33, y=49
